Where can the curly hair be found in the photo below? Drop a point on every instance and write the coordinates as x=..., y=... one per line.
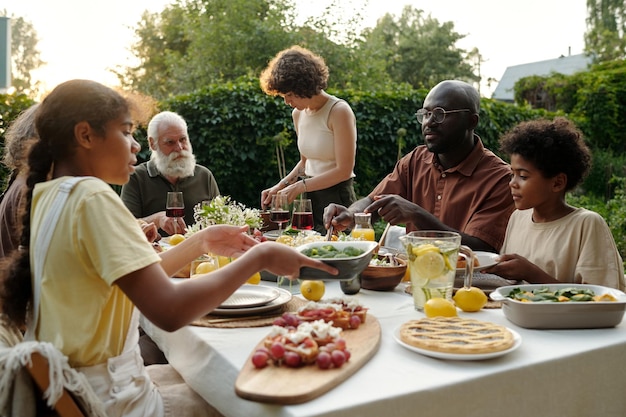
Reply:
x=295, y=70
x=552, y=146
x=69, y=103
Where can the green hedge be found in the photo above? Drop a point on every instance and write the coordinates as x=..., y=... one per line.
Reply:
x=594, y=99
x=234, y=128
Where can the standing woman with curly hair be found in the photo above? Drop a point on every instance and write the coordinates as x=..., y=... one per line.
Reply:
x=80, y=290
x=326, y=130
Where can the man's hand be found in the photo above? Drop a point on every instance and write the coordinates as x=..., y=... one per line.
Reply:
x=394, y=209
x=167, y=223
x=340, y=217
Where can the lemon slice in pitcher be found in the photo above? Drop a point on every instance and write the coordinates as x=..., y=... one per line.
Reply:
x=429, y=265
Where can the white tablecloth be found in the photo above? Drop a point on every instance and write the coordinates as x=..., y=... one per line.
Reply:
x=553, y=373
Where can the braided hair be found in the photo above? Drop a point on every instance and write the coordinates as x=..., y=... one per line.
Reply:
x=67, y=105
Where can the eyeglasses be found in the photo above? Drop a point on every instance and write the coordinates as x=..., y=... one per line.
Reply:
x=438, y=114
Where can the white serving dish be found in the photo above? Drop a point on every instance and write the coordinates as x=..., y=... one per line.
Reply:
x=562, y=315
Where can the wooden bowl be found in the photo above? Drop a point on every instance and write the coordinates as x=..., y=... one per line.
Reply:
x=383, y=278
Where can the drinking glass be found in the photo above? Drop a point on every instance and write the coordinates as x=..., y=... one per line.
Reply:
x=175, y=207
x=203, y=265
x=432, y=263
x=293, y=286
x=279, y=210
x=302, y=218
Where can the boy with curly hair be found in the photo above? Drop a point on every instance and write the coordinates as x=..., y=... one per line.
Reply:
x=547, y=240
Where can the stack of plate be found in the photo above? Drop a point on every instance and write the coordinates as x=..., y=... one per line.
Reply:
x=253, y=299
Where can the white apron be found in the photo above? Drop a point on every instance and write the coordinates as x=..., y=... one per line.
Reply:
x=122, y=383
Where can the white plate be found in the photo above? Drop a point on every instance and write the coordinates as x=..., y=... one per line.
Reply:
x=283, y=298
x=271, y=235
x=485, y=260
x=248, y=296
x=517, y=342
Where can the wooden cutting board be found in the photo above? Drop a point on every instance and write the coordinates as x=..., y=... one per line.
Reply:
x=283, y=385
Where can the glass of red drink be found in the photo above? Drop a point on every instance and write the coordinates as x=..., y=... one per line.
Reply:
x=279, y=210
x=175, y=206
x=302, y=218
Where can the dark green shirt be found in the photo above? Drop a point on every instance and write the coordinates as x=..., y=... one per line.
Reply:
x=146, y=191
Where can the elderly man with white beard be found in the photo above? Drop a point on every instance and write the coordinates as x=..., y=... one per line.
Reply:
x=172, y=167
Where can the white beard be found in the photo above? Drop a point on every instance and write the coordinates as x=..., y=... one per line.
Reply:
x=169, y=166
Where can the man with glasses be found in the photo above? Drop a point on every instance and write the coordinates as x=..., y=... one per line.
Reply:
x=450, y=183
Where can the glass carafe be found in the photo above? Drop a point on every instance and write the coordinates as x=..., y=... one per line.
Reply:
x=363, y=229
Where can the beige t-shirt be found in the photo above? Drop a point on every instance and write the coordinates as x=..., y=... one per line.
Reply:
x=577, y=248
x=96, y=241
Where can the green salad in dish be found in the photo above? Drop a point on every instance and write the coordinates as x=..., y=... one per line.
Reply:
x=331, y=252
x=568, y=294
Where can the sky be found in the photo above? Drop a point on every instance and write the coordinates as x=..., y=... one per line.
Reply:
x=85, y=39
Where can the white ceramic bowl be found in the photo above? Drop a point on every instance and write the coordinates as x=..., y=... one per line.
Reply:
x=349, y=267
x=562, y=315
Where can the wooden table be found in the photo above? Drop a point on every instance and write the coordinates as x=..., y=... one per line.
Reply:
x=553, y=373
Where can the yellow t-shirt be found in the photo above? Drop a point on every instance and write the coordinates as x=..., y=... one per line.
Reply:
x=96, y=241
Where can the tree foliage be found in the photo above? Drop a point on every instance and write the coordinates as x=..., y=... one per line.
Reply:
x=418, y=49
x=606, y=29
x=193, y=43
x=11, y=105
x=25, y=56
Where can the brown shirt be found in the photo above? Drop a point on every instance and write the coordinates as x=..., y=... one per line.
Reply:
x=9, y=220
x=472, y=197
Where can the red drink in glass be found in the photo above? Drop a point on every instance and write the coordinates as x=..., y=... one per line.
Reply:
x=302, y=221
x=175, y=212
x=279, y=216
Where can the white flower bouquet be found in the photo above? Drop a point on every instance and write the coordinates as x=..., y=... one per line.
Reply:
x=224, y=210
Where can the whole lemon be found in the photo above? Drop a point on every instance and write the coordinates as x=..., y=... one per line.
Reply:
x=407, y=274
x=205, y=267
x=439, y=307
x=470, y=299
x=312, y=290
x=224, y=260
x=176, y=239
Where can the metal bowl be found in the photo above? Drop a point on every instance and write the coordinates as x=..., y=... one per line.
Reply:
x=562, y=315
x=349, y=267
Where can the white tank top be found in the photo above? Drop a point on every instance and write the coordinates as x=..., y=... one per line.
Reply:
x=316, y=141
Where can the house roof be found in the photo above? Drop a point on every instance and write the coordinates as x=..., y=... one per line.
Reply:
x=566, y=65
